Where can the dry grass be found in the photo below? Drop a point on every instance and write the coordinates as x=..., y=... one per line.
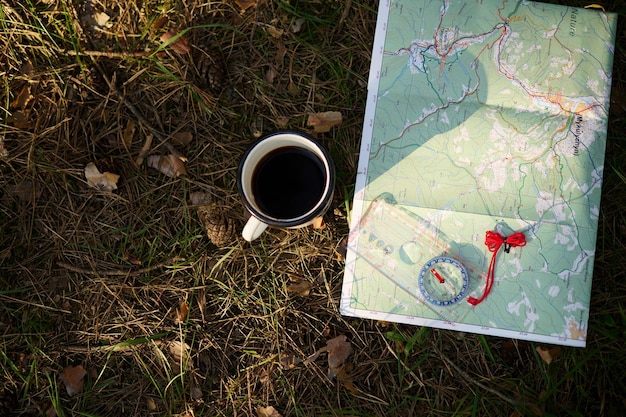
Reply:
x=71, y=292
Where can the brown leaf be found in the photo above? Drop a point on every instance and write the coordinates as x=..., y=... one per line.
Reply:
x=245, y=4
x=4, y=153
x=301, y=287
x=20, y=119
x=289, y=361
x=106, y=181
x=158, y=23
x=318, y=223
x=169, y=165
x=338, y=351
x=181, y=351
x=22, y=98
x=268, y=411
x=181, y=313
x=130, y=258
x=199, y=198
x=346, y=380
x=270, y=75
x=548, y=354
x=177, y=42
x=144, y=150
x=26, y=191
x=129, y=132
x=296, y=26
x=72, y=377
x=181, y=138
x=274, y=31
x=323, y=122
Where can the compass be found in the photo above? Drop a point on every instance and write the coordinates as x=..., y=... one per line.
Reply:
x=443, y=281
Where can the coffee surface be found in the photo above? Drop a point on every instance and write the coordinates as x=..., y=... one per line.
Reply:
x=288, y=182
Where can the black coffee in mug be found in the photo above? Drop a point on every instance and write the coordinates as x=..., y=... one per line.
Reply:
x=285, y=179
x=288, y=182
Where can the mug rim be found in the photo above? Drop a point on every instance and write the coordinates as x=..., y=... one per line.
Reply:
x=320, y=207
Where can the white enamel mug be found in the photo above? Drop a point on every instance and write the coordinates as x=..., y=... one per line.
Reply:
x=285, y=179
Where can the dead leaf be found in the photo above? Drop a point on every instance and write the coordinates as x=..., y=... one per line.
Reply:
x=51, y=412
x=144, y=150
x=151, y=404
x=129, y=132
x=169, y=165
x=323, y=122
x=26, y=191
x=20, y=119
x=106, y=181
x=158, y=23
x=130, y=258
x=268, y=411
x=177, y=42
x=22, y=98
x=296, y=26
x=274, y=31
x=300, y=287
x=4, y=153
x=282, y=121
x=346, y=380
x=318, y=223
x=180, y=351
x=199, y=198
x=27, y=69
x=270, y=75
x=281, y=51
x=548, y=354
x=72, y=377
x=245, y=4
x=338, y=351
x=181, y=138
x=181, y=313
x=289, y=361
x=196, y=394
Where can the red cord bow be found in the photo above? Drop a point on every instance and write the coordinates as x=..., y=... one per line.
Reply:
x=494, y=241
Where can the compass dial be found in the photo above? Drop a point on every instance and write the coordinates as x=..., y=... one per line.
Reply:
x=443, y=281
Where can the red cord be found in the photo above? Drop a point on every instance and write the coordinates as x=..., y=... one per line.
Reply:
x=494, y=241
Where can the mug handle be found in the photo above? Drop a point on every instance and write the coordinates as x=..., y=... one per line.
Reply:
x=253, y=229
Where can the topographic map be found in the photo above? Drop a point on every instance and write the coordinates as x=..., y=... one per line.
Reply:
x=482, y=116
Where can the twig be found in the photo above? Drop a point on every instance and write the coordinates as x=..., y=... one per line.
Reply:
x=115, y=272
x=106, y=54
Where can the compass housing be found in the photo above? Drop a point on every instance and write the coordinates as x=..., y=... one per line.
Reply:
x=443, y=281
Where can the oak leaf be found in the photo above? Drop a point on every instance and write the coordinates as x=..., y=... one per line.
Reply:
x=72, y=377
x=323, y=122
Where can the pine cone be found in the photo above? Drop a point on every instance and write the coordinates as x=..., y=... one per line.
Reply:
x=219, y=227
x=211, y=71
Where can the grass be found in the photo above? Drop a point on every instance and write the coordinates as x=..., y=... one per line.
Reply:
x=71, y=289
